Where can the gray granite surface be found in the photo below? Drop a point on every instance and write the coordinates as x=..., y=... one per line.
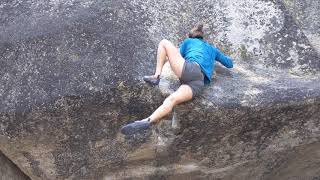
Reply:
x=70, y=77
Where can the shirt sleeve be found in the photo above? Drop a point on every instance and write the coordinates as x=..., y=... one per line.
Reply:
x=224, y=60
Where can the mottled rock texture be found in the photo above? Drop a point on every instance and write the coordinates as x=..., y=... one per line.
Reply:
x=306, y=15
x=71, y=76
x=9, y=171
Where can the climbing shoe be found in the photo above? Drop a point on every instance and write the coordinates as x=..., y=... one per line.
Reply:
x=135, y=127
x=152, y=80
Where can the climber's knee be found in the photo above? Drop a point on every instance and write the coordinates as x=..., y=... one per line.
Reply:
x=166, y=43
x=170, y=102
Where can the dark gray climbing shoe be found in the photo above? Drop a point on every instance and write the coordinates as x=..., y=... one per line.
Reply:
x=135, y=127
x=152, y=80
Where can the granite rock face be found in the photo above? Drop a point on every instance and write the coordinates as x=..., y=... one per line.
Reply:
x=306, y=15
x=71, y=75
x=9, y=171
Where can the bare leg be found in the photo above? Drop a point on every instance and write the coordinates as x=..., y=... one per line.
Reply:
x=161, y=58
x=182, y=94
x=167, y=50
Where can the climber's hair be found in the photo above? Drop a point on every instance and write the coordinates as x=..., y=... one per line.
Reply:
x=196, y=32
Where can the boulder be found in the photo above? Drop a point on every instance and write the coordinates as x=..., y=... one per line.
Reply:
x=9, y=171
x=71, y=76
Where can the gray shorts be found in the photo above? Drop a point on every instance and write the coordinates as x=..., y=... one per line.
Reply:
x=192, y=76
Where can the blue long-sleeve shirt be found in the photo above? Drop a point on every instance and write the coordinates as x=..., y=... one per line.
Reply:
x=194, y=49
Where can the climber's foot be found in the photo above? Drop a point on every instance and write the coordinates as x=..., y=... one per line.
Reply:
x=135, y=127
x=153, y=80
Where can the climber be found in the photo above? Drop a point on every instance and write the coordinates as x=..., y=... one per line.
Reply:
x=193, y=64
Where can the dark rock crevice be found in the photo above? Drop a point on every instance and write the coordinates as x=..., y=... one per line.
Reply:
x=9, y=171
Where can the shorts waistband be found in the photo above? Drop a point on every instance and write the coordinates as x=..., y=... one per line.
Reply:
x=195, y=63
